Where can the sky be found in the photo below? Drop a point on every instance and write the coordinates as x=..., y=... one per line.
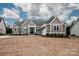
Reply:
x=13, y=12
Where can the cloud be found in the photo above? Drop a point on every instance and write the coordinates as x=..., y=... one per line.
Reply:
x=46, y=10
x=8, y=13
x=25, y=7
x=16, y=10
x=20, y=19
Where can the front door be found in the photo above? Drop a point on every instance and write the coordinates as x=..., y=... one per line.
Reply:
x=32, y=30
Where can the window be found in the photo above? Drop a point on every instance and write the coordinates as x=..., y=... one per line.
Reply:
x=56, y=28
x=1, y=30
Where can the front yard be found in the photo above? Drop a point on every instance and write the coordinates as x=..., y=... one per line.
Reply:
x=37, y=45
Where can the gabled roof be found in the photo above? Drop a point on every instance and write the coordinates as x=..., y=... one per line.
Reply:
x=53, y=18
x=1, y=18
x=75, y=22
x=39, y=22
x=50, y=19
x=18, y=23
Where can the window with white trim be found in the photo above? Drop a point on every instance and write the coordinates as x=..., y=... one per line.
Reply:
x=56, y=28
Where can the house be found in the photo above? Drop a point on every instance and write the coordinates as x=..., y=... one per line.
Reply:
x=28, y=26
x=75, y=28
x=54, y=26
x=2, y=26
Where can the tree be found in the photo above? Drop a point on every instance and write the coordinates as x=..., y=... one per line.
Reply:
x=68, y=30
x=8, y=30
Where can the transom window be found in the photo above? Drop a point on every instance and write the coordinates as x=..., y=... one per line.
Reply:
x=56, y=28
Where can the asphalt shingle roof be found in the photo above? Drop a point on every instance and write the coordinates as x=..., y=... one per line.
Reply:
x=50, y=19
x=1, y=19
x=38, y=22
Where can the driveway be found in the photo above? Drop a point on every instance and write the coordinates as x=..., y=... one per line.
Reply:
x=36, y=45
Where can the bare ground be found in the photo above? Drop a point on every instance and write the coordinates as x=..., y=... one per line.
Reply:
x=34, y=45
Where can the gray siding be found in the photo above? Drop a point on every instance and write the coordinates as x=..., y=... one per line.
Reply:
x=38, y=31
x=48, y=28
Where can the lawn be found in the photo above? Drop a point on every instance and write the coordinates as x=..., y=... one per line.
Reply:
x=35, y=45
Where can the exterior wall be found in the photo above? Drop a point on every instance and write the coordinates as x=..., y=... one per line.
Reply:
x=50, y=28
x=28, y=24
x=31, y=24
x=2, y=28
x=15, y=31
x=75, y=29
x=38, y=30
x=24, y=30
x=19, y=30
x=56, y=21
x=44, y=31
x=62, y=29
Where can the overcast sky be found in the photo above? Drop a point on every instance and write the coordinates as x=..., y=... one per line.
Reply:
x=14, y=11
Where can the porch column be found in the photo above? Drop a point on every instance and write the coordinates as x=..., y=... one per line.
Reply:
x=65, y=29
x=46, y=29
x=50, y=28
x=17, y=30
x=34, y=30
x=28, y=30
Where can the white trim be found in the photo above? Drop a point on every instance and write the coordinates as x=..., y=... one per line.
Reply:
x=26, y=21
x=33, y=23
x=50, y=28
x=44, y=31
x=52, y=20
x=23, y=27
x=55, y=19
x=56, y=32
x=29, y=29
x=16, y=27
x=43, y=25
